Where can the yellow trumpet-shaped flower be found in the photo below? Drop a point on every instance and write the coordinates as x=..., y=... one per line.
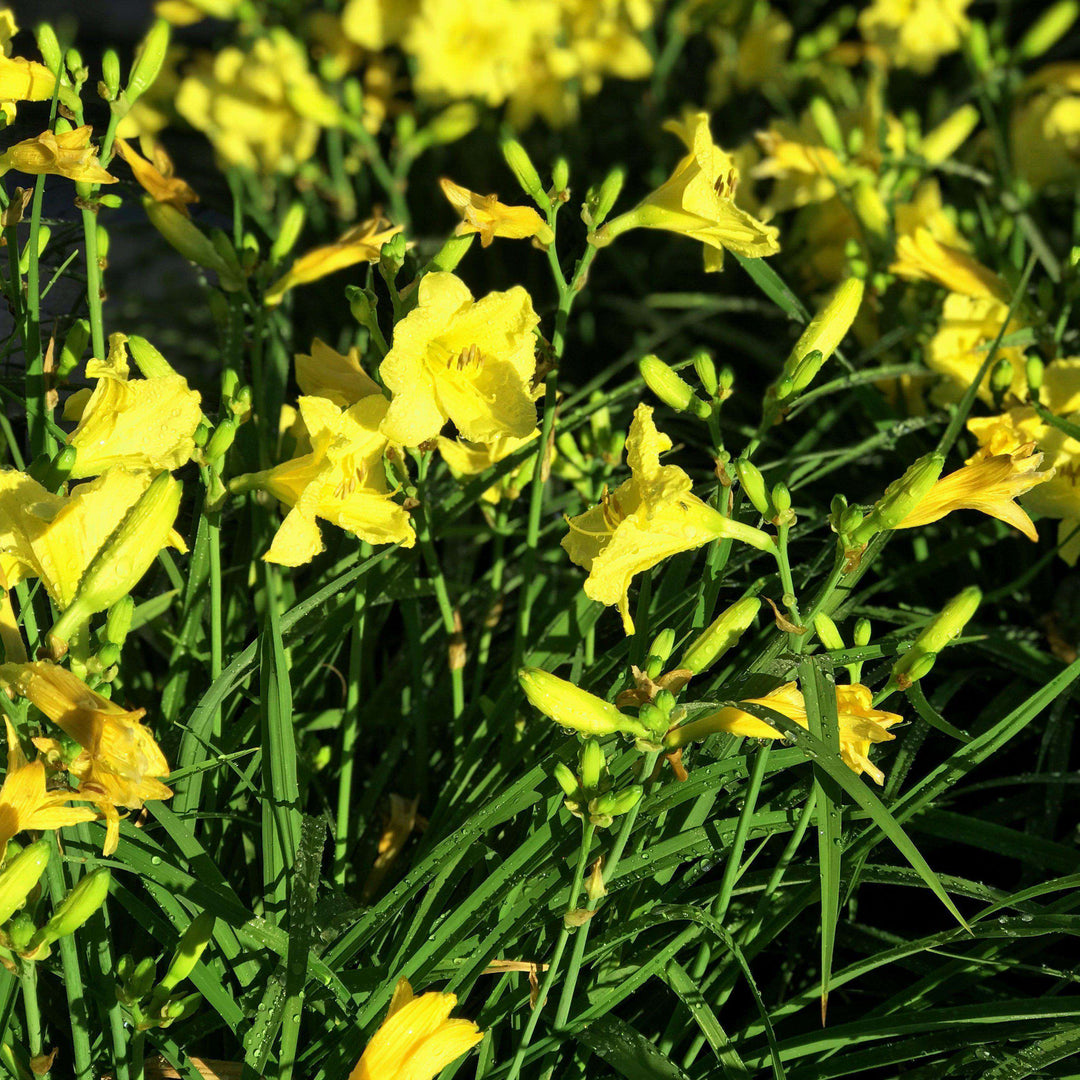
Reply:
x=67, y=153
x=157, y=177
x=698, y=201
x=1044, y=129
x=361, y=243
x=57, y=537
x=326, y=373
x=139, y=424
x=484, y=214
x=915, y=33
x=417, y=1040
x=646, y=519
x=921, y=257
x=990, y=482
x=25, y=803
x=860, y=724
x=465, y=360
x=471, y=459
x=375, y=24
x=262, y=109
x=342, y=480
x=23, y=80
x=120, y=764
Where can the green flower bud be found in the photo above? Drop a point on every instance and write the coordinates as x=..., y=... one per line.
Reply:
x=148, y=61
x=60, y=468
x=288, y=231
x=753, y=485
x=453, y=123
x=943, y=141
x=110, y=73
x=151, y=363
x=108, y=654
x=592, y=764
x=602, y=198
x=560, y=174
x=720, y=635
x=186, y=237
x=49, y=47
x=861, y=633
x=662, y=644
x=19, y=877
x=80, y=903
x=73, y=61
x=566, y=780
x=220, y=441
x=665, y=702
x=824, y=333
x=616, y=803
x=706, y=372
x=828, y=126
x=571, y=707
x=525, y=172
x=1034, y=369
x=827, y=631
x=901, y=497
x=192, y=945
x=1001, y=376
x=74, y=346
x=142, y=978
x=726, y=381
x=781, y=499
x=654, y=718
x=1048, y=29
x=670, y=387
x=946, y=626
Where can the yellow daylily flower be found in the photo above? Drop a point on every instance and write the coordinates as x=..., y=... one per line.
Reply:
x=361, y=243
x=23, y=80
x=1044, y=129
x=156, y=177
x=645, y=520
x=698, y=201
x=471, y=459
x=465, y=360
x=1061, y=385
x=57, y=537
x=915, y=33
x=968, y=326
x=262, y=109
x=326, y=373
x=990, y=482
x=376, y=24
x=417, y=1040
x=756, y=55
x=188, y=12
x=342, y=480
x=139, y=424
x=921, y=257
x=26, y=803
x=120, y=764
x=484, y=214
x=67, y=153
x=861, y=725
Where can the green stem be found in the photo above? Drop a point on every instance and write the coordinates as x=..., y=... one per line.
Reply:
x=556, y=956
x=93, y=284
x=498, y=569
x=789, y=598
x=37, y=408
x=28, y=981
x=137, y=1054
x=350, y=732
x=399, y=208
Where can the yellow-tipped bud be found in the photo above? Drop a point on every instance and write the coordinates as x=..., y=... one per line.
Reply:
x=753, y=485
x=592, y=764
x=825, y=331
x=80, y=903
x=1035, y=369
x=186, y=237
x=525, y=172
x=566, y=779
x=1048, y=29
x=861, y=634
x=20, y=875
x=613, y=804
x=827, y=631
x=724, y=632
x=594, y=886
x=149, y=61
x=571, y=707
x=196, y=937
x=670, y=387
x=901, y=497
x=941, y=142
x=942, y=631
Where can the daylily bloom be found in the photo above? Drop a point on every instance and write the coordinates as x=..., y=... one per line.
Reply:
x=470, y=459
x=25, y=803
x=915, y=33
x=139, y=424
x=342, y=480
x=990, y=482
x=646, y=519
x=465, y=360
x=361, y=243
x=484, y=214
x=1044, y=129
x=56, y=537
x=120, y=764
x=919, y=256
x=326, y=373
x=417, y=1040
x=860, y=724
x=156, y=177
x=20, y=79
x=67, y=153
x=375, y=24
x=698, y=201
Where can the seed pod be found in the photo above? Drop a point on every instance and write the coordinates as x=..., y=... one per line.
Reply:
x=723, y=632
x=81, y=902
x=20, y=875
x=571, y=707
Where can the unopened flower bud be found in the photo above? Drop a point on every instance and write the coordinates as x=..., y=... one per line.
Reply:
x=1001, y=376
x=453, y=123
x=74, y=346
x=901, y=497
x=192, y=945
x=288, y=231
x=946, y=626
x=838, y=505
x=943, y=141
x=592, y=764
x=151, y=362
x=824, y=332
x=654, y=718
x=781, y=499
x=186, y=237
x=49, y=47
x=616, y=803
x=571, y=707
x=828, y=126
x=602, y=198
x=566, y=779
x=1048, y=29
x=1035, y=369
x=560, y=174
x=60, y=468
x=594, y=886
x=19, y=877
x=118, y=620
x=706, y=372
x=720, y=635
x=827, y=631
x=753, y=485
x=110, y=73
x=850, y=520
x=80, y=903
x=870, y=209
x=525, y=172
x=670, y=387
x=861, y=633
x=149, y=61
x=220, y=441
